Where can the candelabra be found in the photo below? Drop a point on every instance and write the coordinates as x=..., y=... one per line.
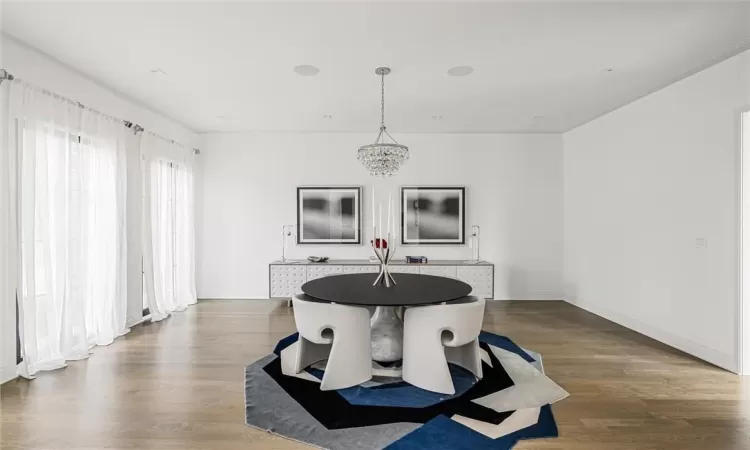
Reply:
x=384, y=254
x=383, y=248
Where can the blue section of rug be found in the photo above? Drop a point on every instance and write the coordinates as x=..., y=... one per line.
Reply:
x=284, y=343
x=393, y=404
x=444, y=433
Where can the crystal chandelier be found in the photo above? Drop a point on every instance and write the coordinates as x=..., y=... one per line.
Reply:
x=383, y=158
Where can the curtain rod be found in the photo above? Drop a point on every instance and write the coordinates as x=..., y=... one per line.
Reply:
x=5, y=75
x=140, y=128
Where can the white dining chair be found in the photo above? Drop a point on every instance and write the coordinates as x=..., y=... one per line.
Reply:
x=438, y=334
x=338, y=333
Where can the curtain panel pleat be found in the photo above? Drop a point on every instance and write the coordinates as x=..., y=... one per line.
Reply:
x=70, y=166
x=168, y=227
x=9, y=235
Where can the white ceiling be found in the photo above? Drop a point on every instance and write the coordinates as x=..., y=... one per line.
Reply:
x=539, y=67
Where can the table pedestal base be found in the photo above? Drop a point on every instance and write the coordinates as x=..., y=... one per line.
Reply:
x=387, y=334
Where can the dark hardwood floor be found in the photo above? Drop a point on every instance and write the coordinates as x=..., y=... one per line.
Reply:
x=178, y=384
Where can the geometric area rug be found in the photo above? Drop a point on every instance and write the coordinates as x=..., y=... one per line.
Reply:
x=510, y=403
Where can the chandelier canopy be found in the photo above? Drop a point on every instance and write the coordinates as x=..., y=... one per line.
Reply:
x=383, y=158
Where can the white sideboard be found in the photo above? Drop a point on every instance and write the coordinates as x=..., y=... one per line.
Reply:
x=285, y=279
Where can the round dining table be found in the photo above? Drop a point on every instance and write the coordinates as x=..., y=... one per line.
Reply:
x=389, y=302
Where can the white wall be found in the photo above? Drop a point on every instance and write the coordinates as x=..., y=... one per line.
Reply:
x=514, y=192
x=642, y=185
x=38, y=69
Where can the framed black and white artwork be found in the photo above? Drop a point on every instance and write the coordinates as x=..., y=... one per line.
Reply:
x=329, y=214
x=433, y=215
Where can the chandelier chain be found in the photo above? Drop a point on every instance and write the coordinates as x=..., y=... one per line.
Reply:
x=382, y=101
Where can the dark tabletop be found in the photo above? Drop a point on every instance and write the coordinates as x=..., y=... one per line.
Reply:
x=410, y=289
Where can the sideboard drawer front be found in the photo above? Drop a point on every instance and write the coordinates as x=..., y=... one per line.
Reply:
x=315, y=272
x=403, y=269
x=286, y=280
x=440, y=271
x=479, y=278
x=370, y=268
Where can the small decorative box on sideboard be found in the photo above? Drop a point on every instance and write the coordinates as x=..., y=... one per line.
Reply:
x=285, y=278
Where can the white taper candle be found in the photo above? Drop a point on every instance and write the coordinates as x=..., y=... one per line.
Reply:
x=395, y=213
x=390, y=220
x=373, y=214
x=380, y=222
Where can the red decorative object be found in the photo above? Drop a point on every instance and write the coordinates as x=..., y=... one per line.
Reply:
x=379, y=242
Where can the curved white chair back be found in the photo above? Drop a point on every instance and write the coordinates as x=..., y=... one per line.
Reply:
x=339, y=333
x=437, y=334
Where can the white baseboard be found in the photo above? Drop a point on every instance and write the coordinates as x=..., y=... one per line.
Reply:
x=719, y=359
x=7, y=373
x=534, y=297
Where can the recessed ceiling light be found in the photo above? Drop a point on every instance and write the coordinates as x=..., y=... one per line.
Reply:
x=306, y=71
x=157, y=71
x=460, y=71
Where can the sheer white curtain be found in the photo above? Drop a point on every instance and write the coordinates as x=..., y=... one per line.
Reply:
x=168, y=227
x=71, y=180
x=9, y=260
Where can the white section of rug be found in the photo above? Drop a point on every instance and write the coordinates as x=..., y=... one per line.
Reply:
x=537, y=359
x=531, y=389
x=485, y=356
x=523, y=418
